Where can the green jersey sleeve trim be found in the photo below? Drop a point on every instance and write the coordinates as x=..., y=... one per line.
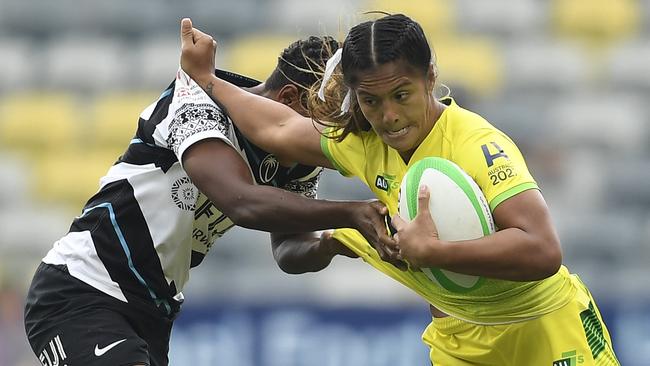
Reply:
x=511, y=192
x=324, y=146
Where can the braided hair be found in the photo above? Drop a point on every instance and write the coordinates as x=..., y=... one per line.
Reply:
x=302, y=64
x=368, y=45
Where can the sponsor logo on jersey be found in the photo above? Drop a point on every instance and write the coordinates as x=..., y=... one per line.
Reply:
x=386, y=182
x=53, y=354
x=502, y=173
x=569, y=359
x=268, y=168
x=184, y=194
x=99, y=351
x=493, y=152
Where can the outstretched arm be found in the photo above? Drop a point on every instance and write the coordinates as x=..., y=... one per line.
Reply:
x=272, y=126
x=526, y=248
x=306, y=252
x=221, y=174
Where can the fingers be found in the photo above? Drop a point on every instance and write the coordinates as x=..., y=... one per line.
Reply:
x=186, y=32
x=389, y=252
x=398, y=222
x=191, y=36
x=423, y=199
x=379, y=206
x=326, y=235
x=200, y=37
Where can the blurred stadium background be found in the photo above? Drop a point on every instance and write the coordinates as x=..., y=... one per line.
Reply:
x=568, y=80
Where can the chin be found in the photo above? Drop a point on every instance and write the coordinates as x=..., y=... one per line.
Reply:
x=403, y=148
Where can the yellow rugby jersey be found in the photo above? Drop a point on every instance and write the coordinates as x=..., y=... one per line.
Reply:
x=495, y=163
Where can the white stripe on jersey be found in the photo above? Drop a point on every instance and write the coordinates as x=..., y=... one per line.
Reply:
x=76, y=250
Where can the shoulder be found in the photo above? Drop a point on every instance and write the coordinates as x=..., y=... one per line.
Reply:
x=462, y=122
x=464, y=127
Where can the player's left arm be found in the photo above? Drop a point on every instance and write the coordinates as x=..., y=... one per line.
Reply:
x=297, y=253
x=306, y=252
x=526, y=246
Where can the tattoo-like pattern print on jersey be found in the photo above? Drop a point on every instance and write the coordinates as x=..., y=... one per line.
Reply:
x=191, y=119
x=184, y=194
x=306, y=188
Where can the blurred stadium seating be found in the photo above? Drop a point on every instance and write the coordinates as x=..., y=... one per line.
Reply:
x=256, y=55
x=37, y=123
x=569, y=80
x=596, y=21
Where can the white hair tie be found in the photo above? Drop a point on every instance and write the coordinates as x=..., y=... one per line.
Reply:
x=330, y=66
x=345, y=106
x=329, y=70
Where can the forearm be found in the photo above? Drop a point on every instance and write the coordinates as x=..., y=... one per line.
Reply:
x=275, y=210
x=300, y=253
x=259, y=120
x=510, y=254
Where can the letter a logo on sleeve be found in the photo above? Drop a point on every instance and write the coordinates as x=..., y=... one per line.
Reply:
x=489, y=157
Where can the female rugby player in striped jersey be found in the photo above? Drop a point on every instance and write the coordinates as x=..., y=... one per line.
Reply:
x=377, y=119
x=108, y=291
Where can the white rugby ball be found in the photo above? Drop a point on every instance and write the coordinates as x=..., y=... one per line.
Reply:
x=458, y=208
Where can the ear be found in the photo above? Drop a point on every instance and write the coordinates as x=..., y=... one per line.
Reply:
x=289, y=95
x=432, y=75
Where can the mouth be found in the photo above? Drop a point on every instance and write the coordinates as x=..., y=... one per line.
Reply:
x=398, y=133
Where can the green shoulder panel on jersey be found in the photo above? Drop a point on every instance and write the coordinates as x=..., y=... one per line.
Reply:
x=326, y=135
x=511, y=192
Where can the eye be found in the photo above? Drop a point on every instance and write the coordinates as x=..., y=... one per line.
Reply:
x=369, y=101
x=402, y=96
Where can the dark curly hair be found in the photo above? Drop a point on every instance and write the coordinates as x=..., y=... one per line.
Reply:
x=302, y=62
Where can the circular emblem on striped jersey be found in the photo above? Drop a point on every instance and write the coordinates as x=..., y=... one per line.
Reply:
x=268, y=168
x=184, y=194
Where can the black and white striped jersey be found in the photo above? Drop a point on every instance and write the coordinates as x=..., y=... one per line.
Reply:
x=139, y=235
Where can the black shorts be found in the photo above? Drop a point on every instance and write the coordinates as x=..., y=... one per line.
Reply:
x=71, y=323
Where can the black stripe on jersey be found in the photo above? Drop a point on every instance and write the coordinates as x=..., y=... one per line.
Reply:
x=146, y=128
x=141, y=153
x=196, y=259
x=124, y=244
x=216, y=222
x=205, y=208
x=299, y=171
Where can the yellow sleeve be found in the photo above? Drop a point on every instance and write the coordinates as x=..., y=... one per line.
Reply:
x=345, y=155
x=493, y=160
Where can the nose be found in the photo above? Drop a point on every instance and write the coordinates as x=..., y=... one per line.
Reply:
x=390, y=115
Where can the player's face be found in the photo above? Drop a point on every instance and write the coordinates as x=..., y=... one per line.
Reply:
x=396, y=99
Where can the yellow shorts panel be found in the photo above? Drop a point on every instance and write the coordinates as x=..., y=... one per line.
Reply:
x=573, y=335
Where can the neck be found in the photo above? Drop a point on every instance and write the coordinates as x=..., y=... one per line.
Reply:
x=436, y=108
x=259, y=90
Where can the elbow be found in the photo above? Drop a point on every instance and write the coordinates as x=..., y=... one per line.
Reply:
x=241, y=217
x=287, y=265
x=288, y=268
x=549, y=261
x=243, y=214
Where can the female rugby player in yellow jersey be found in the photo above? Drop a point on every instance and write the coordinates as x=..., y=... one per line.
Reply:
x=528, y=309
